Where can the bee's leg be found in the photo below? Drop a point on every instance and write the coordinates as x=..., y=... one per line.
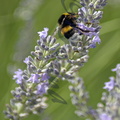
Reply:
x=83, y=31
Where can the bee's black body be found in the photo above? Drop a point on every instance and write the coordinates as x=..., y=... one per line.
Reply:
x=67, y=19
x=68, y=26
x=67, y=22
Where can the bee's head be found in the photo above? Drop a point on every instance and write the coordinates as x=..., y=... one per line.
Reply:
x=68, y=15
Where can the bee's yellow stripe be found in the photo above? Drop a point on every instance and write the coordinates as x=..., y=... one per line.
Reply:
x=66, y=29
x=66, y=14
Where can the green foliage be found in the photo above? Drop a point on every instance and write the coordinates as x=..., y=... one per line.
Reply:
x=95, y=72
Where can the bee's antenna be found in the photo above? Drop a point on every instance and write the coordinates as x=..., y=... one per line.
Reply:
x=63, y=3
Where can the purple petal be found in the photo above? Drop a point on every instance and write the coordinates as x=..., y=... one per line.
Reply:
x=44, y=33
x=34, y=78
x=26, y=60
x=83, y=9
x=110, y=85
x=92, y=45
x=90, y=34
x=45, y=76
x=96, y=39
x=42, y=88
x=82, y=26
x=104, y=116
x=117, y=68
x=18, y=76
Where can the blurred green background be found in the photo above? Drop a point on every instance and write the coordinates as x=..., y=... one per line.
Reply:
x=20, y=20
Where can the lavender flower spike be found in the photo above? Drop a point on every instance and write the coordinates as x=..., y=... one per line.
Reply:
x=33, y=82
x=109, y=108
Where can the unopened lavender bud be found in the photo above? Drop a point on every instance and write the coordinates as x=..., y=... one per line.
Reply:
x=68, y=76
x=91, y=5
x=52, y=41
x=37, y=48
x=39, y=57
x=48, y=39
x=25, y=77
x=43, y=46
x=33, y=67
x=39, y=42
x=34, y=54
x=72, y=89
x=9, y=108
x=54, y=46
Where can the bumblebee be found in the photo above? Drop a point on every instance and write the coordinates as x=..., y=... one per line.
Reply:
x=68, y=25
